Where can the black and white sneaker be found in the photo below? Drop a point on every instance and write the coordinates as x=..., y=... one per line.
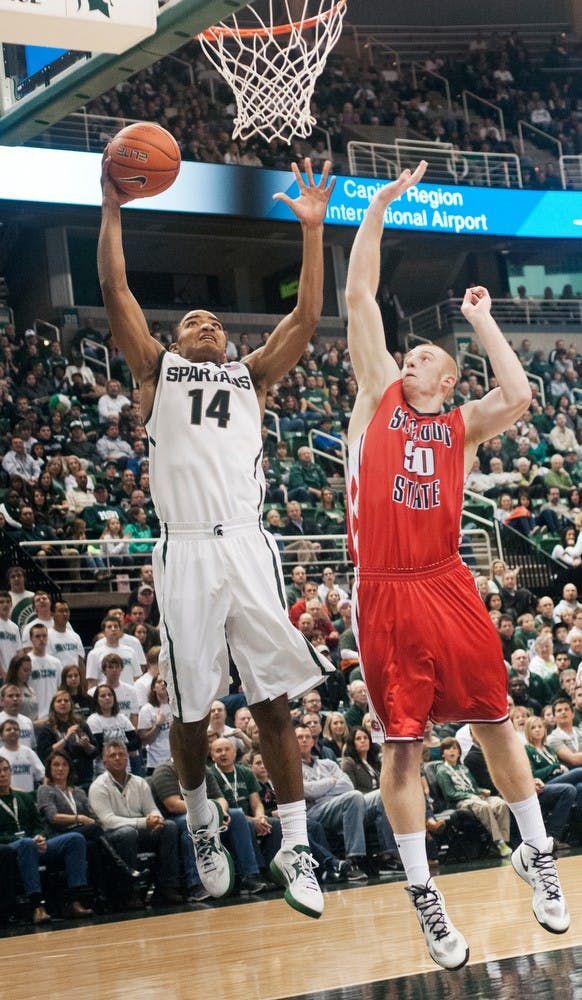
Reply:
x=251, y=885
x=214, y=863
x=538, y=869
x=355, y=873
x=446, y=945
x=336, y=871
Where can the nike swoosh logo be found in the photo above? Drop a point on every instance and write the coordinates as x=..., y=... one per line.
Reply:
x=525, y=867
x=140, y=179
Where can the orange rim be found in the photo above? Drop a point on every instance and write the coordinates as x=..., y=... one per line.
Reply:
x=221, y=31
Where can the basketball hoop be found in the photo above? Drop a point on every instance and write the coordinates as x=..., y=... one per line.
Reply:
x=272, y=68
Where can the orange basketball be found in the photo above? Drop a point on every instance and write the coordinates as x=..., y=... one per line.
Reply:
x=145, y=159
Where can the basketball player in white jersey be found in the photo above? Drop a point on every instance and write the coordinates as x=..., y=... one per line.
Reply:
x=218, y=576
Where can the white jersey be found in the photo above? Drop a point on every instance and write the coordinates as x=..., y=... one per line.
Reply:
x=10, y=642
x=205, y=443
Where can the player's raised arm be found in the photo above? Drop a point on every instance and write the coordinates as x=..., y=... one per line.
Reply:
x=126, y=319
x=374, y=368
x=292, y=335
x=493, y=414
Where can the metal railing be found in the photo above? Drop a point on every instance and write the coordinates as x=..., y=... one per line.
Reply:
x=64, y=571
x=276, y=430
x=68, y=564
x=537, y=570
x=475, y=547
x=425, y=325
x=71, y=573
x=436, y=82
x=491, y=524
x=445, y=164
x=6, y=313
x=81, y=131
x=470, y=98
x=47, y=332
x=564, y=315
x=412, y=339
x=417, y=41
x=476, y=365
x=571, y=172
x=374, y=42
x=546, y=138
x=341, y=462
x=538, y=382
x=95, y=354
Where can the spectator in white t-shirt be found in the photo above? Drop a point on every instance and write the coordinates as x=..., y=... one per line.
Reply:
x=63, y=641
x=10, y=639
x=16, y=581
x=27, y=767
x=328, y=583
x=114, y=643
x=126, y=638
x=144, y=683
x=46, y=670
x=111, y=402
x=112, y=669
x=153, y=727
x=10, y=704
x=106, y=722
x=41, y=603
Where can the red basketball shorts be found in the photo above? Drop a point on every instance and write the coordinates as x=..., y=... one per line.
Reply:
x=428, y=649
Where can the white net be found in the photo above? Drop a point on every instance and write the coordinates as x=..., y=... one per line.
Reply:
x=272, y=68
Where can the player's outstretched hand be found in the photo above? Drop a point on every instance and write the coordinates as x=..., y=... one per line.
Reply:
x=311, y=205
x=111, y=193
x=408, y=178
x=476, y=303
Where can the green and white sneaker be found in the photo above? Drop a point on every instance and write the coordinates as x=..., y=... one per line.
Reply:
x=294, y=868
x=214, y=863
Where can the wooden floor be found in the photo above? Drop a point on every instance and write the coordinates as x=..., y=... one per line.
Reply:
x=263, y=950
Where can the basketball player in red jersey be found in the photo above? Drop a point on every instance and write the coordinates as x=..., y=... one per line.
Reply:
x=217, y=572
x=428, y=647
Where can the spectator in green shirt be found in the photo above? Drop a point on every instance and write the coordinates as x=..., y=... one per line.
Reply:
x=97, y=516
x=306, y=478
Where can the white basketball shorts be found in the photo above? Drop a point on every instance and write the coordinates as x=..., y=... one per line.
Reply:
x=220, y=588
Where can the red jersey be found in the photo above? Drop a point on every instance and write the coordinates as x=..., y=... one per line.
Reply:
x=406, y=487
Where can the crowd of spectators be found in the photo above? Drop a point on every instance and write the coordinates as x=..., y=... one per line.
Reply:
x=199, y=110
x=534, y=470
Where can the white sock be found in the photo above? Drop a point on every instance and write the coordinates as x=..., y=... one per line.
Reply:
x=528, y=816
x=197, y=807
x=293, y=816
x=412, y=848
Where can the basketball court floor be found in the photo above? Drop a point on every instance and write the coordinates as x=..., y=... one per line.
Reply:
x=367, y=946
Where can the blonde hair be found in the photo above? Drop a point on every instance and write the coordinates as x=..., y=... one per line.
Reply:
x=528, y=726
x=520, y=708
x=327, y=727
